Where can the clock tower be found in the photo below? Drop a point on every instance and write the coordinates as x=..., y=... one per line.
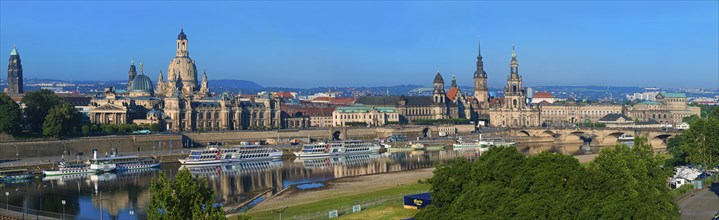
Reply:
x=14, y=73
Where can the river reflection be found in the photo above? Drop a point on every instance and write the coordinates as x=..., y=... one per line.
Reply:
x=125, y=195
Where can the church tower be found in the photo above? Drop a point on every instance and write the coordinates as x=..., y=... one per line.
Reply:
x=14, y=73
x=182, y=45
x=182, y=67
x=439, y=96
x=204, y=87
x=514, y=93
x=480, y=82
x=131, y=74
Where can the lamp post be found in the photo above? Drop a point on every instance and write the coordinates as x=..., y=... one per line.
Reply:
x=279, y=211
x=132, y=214
x=63, y=209
x=17, y=153
x=37, y=216
x=64, y=149
x=23, y=206
x=7, y=200
x=100, y=200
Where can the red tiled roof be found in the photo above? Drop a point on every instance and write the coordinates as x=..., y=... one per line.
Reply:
x=284, y=95
x=452, y=92
x=544, y=102
x=543, y=95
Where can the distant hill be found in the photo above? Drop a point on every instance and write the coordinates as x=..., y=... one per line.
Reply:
x=234, y=84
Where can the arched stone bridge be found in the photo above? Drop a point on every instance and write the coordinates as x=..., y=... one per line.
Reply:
x=602, y=136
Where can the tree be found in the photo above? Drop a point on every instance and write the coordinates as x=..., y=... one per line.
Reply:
x=701, y=143
x=60, y=121
x=184, y=198
x=37, y=106
x=622, y=182
x=85, y=130
x=10, y=118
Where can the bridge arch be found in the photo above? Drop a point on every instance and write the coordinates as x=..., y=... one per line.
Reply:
x=524, y=133
x=574, y=136
x=660, y=140
x=548, y=133
x=612, y=138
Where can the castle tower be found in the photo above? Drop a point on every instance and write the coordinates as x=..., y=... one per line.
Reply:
x=480, y=82
x=131, y=74
x=514, y=93
x=14, y=73
x=439, y=96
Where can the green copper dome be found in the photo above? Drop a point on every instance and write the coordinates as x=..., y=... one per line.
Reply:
x=13, y=52
x=142, y=83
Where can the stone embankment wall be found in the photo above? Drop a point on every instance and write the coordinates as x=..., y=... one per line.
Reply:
x=123, y=144
x=126, y=144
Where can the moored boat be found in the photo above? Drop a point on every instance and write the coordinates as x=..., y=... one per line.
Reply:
x=208, y=155
x=254, y=152
x=64, y=168
x=15, y=175
x=338, y=148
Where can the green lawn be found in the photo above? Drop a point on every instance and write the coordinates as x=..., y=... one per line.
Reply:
x=321, y=208
x=391, y=210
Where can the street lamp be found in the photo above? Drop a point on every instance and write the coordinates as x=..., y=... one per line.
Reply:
x=17, y=154
x=100, y=200
x=37, y=216
x=132, y=213
x=24, y=206
x=280, y=211
x=63, y=209
x=7, y=200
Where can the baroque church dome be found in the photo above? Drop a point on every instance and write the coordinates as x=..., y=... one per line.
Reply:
x=141, y=86
x=182, y=66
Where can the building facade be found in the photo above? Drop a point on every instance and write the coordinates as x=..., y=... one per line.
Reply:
x=181, y=103
x=371, y=116
x=571, y=113
x=668, y=109
x=437, y=106
x=515, y=111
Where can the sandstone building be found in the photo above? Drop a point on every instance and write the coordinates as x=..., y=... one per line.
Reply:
x=515, y=111
x=180, y=103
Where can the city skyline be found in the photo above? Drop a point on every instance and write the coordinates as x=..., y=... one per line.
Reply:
x=651, y=46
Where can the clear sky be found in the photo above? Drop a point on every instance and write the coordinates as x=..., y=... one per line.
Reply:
x=307, y=44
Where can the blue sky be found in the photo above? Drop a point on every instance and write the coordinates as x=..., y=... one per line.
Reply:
x=307, y=44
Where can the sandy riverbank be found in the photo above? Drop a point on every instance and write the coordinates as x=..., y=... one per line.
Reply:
x=344, y=187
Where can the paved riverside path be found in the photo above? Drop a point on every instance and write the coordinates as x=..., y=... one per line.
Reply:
x=701, y=205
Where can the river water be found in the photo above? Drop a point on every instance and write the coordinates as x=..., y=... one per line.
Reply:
x=126, y=195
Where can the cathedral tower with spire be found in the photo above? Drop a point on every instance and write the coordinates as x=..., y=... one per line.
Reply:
x=481, y=93
x=14, y=73
x=131, y=74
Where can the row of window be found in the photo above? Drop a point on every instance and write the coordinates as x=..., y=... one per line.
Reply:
x=592, y=112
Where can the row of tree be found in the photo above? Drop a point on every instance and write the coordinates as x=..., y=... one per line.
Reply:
x=44, y=113
x=699, y=144
x=47, y=114
x=621, y=183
